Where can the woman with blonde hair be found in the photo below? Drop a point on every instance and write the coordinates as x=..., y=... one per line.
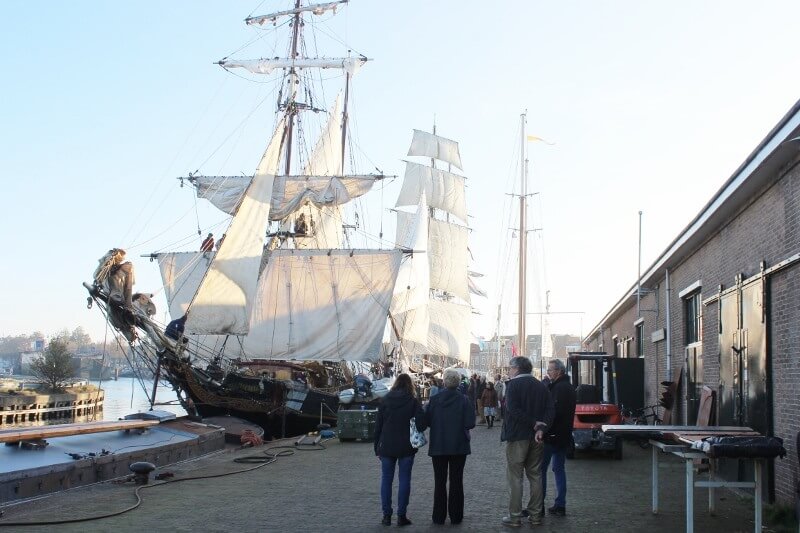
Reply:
x=450, y=415
x=393, y=445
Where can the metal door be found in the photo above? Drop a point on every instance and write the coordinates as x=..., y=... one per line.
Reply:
x=744, y=387
x=743, y=390
x=694, y=380
x=730, y=360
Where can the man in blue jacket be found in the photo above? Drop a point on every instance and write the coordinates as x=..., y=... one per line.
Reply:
x=558, y=440
x=529, y=412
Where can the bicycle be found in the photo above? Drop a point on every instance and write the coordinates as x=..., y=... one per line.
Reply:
x=644, y=416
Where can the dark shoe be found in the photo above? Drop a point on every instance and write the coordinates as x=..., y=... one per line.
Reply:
x=402, y=520
x=557, y=511
x=387, y=520
x=511, y=521
x=524, y=513
x=455, y=522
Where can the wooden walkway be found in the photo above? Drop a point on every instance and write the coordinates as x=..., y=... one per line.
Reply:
x=65, y=430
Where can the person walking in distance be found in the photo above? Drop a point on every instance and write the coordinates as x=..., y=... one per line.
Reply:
x=529, y=413
x=489, y=402
x=480, y=386
x=500, y=387
x=558, y=439
x=450, y=417
x=393, y=445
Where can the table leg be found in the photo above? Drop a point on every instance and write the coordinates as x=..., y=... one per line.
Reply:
x=689, y=495
x=712, y=500
x=757, y=495
x=654, y=452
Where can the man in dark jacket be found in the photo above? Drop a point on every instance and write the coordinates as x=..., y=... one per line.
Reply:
x=558, y=439
x=529, y=413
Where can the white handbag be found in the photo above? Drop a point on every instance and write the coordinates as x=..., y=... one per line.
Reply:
x=417, y=437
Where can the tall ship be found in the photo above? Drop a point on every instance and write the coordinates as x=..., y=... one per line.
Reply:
x=284, y=316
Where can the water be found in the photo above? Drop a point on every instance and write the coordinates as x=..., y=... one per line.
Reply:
x=125, y=396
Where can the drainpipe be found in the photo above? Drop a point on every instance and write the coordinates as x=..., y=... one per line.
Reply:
x=668, y=339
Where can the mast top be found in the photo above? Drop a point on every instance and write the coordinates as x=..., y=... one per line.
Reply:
x=314, y=9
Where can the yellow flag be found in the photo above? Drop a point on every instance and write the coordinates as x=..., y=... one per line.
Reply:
x=533, y=138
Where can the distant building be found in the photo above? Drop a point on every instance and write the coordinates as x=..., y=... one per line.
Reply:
x=26, y=358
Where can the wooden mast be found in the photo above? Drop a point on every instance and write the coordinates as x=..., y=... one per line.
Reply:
x=523, y=238
x=290, y=103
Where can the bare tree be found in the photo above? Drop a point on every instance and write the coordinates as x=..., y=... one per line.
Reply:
x=55, y=367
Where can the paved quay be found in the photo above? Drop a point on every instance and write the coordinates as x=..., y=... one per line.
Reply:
x=337, y=489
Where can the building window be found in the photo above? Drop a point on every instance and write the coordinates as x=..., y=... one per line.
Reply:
x=692, y=318
x=640, y=339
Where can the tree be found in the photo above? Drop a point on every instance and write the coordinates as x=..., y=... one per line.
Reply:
x=55, y=367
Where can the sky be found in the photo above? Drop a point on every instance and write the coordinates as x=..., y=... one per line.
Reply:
x=648, y=107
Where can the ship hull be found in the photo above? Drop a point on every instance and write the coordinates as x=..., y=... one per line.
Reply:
x=284, y=408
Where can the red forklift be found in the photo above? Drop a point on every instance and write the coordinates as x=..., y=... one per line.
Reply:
x=599, y=397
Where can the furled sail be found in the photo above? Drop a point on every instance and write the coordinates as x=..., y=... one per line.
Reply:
x=316, y=9
x=288, y=192
x=351, y=65
x=444, y=190
x=223, y=300
x=449, y=332
x=322, y=305
x=412, y=292
x=429, y=145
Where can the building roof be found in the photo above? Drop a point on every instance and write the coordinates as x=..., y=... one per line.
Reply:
x=760, y=168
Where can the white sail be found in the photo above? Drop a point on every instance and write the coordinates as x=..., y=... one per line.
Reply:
x=326, y=160
x=182, y=273
x=475, y=289
x=288, y=192
x=412, y=292
x=429, y=145
x=447, y=256
x=449, y=332
x=225, y=296
x=351, y=65
x=444, y=190
x=322, y=305
x=316, y=9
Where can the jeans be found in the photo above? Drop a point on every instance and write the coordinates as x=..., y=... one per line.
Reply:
x=454, y=501
x=524, y=456
x=558, y=457
x=404, y=483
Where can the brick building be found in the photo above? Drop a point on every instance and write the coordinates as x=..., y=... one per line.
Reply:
x=720, y=307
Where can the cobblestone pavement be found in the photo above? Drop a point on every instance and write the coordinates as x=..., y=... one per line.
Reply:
x=337, y=489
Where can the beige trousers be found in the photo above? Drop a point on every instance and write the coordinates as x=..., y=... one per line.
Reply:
x=524, y=456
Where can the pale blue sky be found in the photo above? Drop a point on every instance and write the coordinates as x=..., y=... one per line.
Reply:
x=652, y=106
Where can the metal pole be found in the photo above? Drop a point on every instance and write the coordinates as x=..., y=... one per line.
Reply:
x=523, y=237
x=639, y=275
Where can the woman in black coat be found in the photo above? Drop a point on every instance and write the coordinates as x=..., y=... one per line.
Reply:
x=450, y=416
x=393, y=445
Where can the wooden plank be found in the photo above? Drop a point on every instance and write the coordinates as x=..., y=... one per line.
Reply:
x=65, y=430
x=629, y=428
x=691, y=438
x=706, y=407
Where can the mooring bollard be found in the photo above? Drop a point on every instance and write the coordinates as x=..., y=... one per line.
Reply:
x=141, y=472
